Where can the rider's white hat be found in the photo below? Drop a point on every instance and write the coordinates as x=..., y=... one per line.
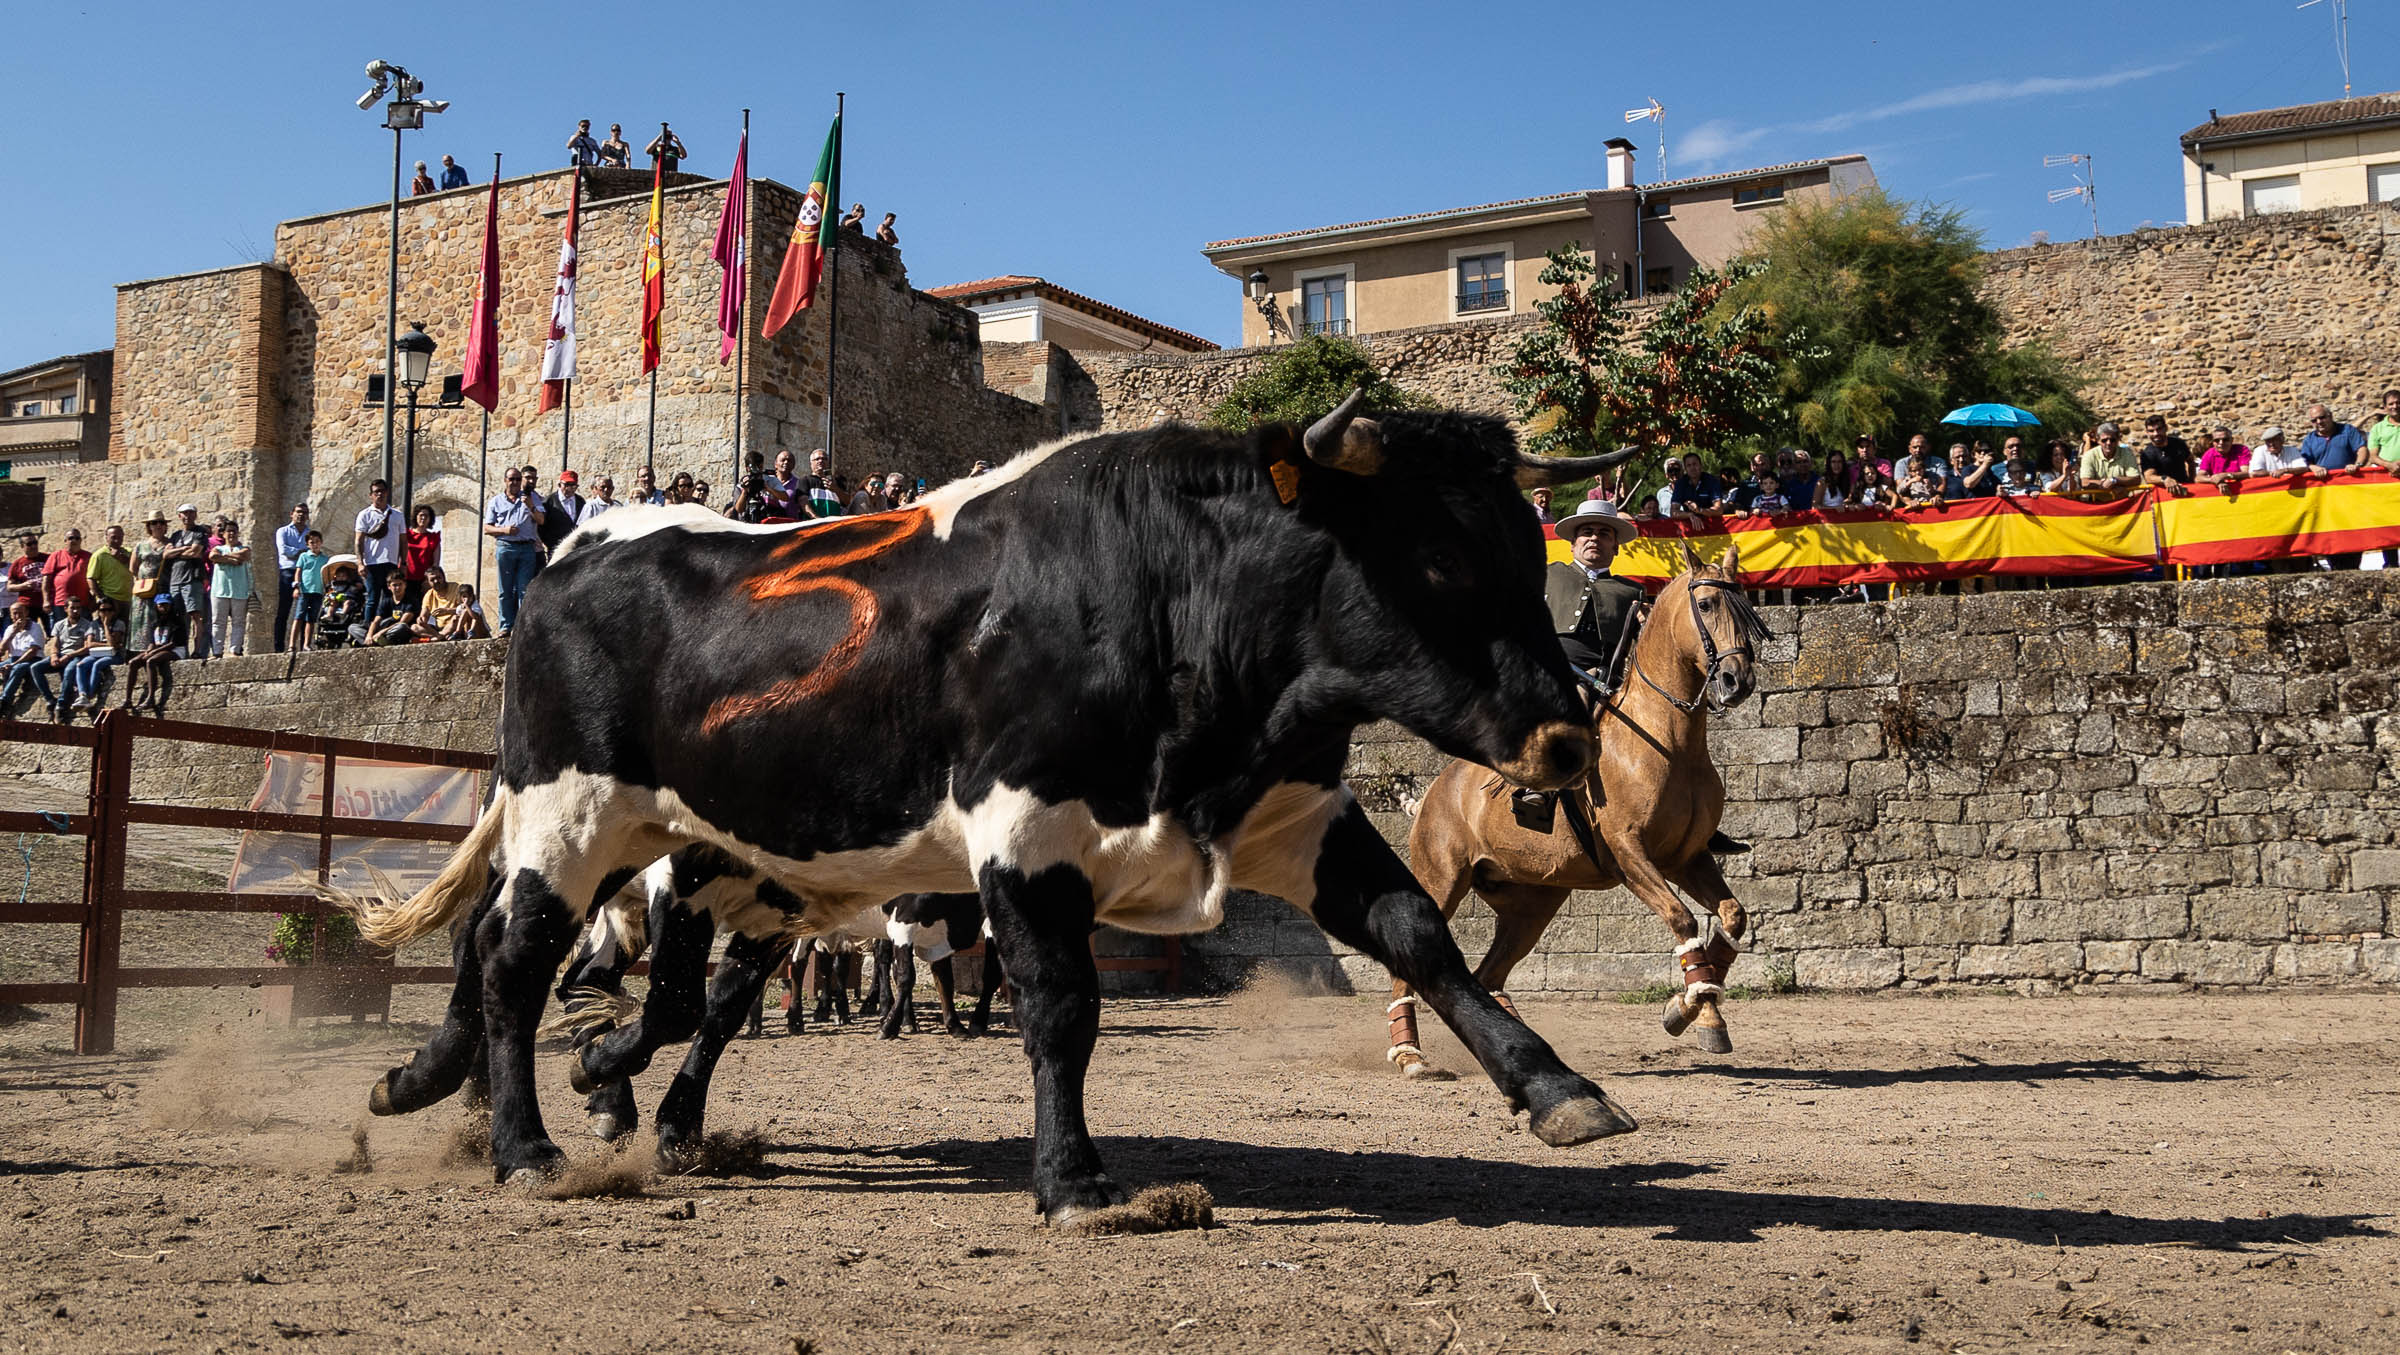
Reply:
x=1597, y=512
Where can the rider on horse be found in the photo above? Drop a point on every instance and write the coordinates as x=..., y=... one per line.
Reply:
x=1597, y=615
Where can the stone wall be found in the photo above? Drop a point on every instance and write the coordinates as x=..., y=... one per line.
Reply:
x=2114, y=787
x=2248, y=321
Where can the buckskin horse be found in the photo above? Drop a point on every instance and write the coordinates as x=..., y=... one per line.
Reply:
x=1642, y=817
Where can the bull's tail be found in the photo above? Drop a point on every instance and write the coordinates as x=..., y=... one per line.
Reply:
x=392, y=923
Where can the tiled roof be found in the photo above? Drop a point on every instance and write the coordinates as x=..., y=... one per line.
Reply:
x=1735, y=175
x=981, y=285
x=1010, y=282
x=1549, y=199
x=1395, y=220
x=2298, y=117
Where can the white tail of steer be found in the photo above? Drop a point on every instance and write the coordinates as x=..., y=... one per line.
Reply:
x=391, y=924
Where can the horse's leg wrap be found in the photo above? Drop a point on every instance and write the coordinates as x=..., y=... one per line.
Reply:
x=1401, y=1017
x=1704, y=961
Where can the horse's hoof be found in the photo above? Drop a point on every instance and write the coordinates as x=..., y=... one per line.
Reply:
x=379, y=1101
x=1677, y=1015
x=1421, y=1071
x=607, y=1128
x=1581, y=1120
x=1713, y=1039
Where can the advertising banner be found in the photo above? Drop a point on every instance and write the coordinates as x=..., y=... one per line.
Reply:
x=286, y=863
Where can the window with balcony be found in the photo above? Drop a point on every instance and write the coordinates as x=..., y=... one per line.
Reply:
x=1483, y=282
x=1770, y=191
x=30, y=409
x=1325, y=304
x=66, y=404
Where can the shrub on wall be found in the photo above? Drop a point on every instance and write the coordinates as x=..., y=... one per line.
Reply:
x=1303, y=382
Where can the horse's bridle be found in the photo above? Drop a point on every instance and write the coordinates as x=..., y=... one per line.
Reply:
x=1747, y=621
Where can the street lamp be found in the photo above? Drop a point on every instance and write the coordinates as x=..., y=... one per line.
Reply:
x=405, y=113
x=414, y=351
x=1264, y=299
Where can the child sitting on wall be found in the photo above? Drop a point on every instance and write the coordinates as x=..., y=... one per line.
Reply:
x=160, y=649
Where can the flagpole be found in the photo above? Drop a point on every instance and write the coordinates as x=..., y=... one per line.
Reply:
x=833, y=285
x=566, y=425
x=483, y=475
x=741, y=328
x=650, y=437
x=483, y=459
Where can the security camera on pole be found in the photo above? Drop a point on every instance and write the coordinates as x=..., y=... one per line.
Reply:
x=405, y=113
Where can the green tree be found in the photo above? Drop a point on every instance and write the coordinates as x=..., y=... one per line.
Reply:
x=1302, y=383
x=1699, y=375
x=1899, y=331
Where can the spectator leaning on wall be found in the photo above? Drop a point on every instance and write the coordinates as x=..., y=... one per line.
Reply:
x=187, y=577
x=2109, y=464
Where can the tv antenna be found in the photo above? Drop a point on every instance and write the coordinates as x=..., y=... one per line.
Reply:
x=2083, y=185
x=2341, y=36
x=1653, y=112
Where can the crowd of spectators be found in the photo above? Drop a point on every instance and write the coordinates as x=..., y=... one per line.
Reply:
x=2104, y=465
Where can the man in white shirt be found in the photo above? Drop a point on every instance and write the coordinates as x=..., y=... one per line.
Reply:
x=290, y=540
x=604, y=497
x=2271, y=457
x=378, y=545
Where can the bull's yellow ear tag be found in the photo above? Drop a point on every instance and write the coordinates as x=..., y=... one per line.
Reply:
x=1287, y=480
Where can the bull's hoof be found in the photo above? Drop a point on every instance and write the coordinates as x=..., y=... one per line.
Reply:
x=1677, y=1017
x=607, y=1127
x=887, y=1033
x=580, y=1078
x=1581, y=1120
x=379, y=1101
x=1089, y=1197
x=1713, y=1039
x=536, y=1164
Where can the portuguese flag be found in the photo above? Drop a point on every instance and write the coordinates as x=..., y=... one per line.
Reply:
x=654, y=267
x=804, y=259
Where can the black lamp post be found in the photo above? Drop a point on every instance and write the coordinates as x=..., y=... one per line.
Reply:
x=405, y=113
x=413, y=355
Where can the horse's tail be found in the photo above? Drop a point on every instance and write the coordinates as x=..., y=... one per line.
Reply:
x=392, y=923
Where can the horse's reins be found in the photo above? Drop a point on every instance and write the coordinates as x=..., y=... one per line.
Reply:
x=1751, y=626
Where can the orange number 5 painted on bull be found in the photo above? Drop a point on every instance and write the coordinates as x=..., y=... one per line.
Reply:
x=864, y=538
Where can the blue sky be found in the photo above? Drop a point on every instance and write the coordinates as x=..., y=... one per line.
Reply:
x=1100, y=145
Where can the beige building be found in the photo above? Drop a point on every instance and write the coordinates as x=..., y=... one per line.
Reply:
x=54, y=413
x=2341, y=153
x=1022, y=309
x=1467, y=263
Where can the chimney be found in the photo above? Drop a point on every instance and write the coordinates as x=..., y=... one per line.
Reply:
x=1620, y=162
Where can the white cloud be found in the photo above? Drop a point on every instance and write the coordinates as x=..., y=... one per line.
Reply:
x=1712, y=143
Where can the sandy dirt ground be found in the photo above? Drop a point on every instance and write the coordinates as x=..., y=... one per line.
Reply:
x=1978, y=1173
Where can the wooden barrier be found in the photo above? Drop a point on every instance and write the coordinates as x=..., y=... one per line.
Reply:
x=111, y=811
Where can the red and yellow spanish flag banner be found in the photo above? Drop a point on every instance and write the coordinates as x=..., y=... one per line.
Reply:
x=2266, y=518
x=654, y=267
x=2272, y=517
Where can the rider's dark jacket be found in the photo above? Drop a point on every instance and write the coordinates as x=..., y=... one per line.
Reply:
x=1597, y=613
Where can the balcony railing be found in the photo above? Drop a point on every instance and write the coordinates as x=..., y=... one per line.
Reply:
x=1326, y=326
x=1482, y=301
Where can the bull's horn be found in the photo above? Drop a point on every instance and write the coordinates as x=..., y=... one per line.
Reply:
x=1342, y=441
x=1533, y=472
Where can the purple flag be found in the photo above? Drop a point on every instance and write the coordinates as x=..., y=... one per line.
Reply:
x=732, y=231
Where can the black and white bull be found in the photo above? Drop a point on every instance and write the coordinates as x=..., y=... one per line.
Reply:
x=933, y=928
x=677, y=903
x=1118, y=678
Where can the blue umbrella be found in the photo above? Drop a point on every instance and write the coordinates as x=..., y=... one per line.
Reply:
x=1991, y=416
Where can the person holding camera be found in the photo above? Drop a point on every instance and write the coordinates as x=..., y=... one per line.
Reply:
x=751, y=498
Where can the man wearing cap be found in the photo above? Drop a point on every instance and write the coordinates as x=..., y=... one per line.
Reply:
x=1593, y=611
x=2271, y=457
x=560, y=512
x=187, y=576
